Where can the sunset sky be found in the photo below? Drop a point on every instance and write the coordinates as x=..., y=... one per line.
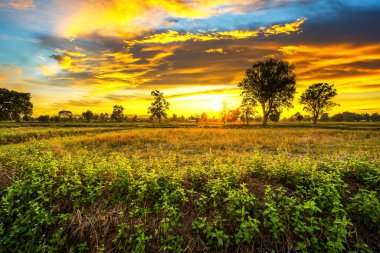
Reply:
x=93, y=54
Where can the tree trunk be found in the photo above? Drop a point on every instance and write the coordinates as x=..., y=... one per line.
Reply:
x=159, y=120
x=315, y=120
x=247, y=121
x=265, y=119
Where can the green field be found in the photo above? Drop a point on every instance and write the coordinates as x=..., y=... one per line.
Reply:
x=138, y=187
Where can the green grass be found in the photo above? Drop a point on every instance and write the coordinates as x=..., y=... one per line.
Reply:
x=191, y=189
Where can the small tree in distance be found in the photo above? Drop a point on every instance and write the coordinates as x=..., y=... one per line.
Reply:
x=88, y=115
x=159, y=106
x=271, y=83
x=224, y=112
x=298, y=116
x=317, y=99
x=247, y=109
x=204, y=118
x=275, y=116
x=117, y=113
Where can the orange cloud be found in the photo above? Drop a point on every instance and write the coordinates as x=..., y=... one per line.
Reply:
x=174, y=36
x=285, y=29
x=22, y=4
x=215, y=50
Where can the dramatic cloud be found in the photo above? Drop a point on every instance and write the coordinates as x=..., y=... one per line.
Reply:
x=174, y=36
x=96, y=53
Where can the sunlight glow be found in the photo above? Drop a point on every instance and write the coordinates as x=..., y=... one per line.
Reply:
x=216, y=104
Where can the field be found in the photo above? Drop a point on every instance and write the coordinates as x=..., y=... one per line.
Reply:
x=174, y=188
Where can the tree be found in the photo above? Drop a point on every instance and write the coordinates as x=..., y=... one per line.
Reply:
x=43, y=118
x=375, y=116
x=14, y=105
x=158, y=108
x=275, y=116
x=117, y=113
x=233, y=115
x=317, y=99
x=175, y=117
x=325, y=117
x=88, y=115
x=298, y=116
x=224, y=112
x=135, y=119
x=247, y=109
x=204, y=118
x=65, y=115
x=271, y=83
x=104, y=117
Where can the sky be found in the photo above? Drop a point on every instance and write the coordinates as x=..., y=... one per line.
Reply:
x=93, y=54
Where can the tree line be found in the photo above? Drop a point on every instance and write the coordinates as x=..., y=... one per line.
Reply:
x=267, y=84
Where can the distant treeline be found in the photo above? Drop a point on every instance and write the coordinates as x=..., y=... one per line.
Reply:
x=233, y=116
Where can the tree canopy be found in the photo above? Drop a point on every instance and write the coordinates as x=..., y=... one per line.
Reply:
x=158, y=108
x=117, y=113
x=88, y=115
x=271, y=83
x=317, y=99
x=14, y=105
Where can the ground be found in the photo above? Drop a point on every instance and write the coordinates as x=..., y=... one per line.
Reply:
x=142, y=187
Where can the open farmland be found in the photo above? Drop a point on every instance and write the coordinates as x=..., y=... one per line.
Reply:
x=236, y=189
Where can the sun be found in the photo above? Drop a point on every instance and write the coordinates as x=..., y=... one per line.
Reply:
x=216, y=105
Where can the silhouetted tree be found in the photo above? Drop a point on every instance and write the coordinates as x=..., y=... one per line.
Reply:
x=88, y=115
x=204, y=117
x=117, y=113
x=224, y=112
x=104, y=117
x=275, y=116
x=65, y=115
x=174, y=117
x=134, y=119
x=55, y=119
x=233, y=115
x=271, y=83
x=43, y=118
x=159, y=106
x=325, y=117
x=96, y=117
x=375, y=116
x=247, y=109
x=317, y=99
x=13, y=104
x=298, y=116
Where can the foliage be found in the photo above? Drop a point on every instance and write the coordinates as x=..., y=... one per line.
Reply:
x=88, y=115
x=13, y=104
x=65, y=115
x=317, y=99
x=224, y=112
x=247, y=109
x=117, y=113
x=298, y=116
x=271, y=83
x=275, y=116
x=192, y=190
x=159, y=106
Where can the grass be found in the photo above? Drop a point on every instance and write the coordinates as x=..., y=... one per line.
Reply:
x=232, y=189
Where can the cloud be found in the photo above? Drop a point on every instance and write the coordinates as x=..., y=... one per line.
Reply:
x=22, y=4
x=127, y=18
x=215, y=50
x=79, y=103
x=172, y=36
